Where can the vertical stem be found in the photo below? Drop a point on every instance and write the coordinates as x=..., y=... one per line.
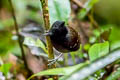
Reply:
x=95, y=25
x=89, y=15
x=47, y=26
x=17, y=32
x=45, y=11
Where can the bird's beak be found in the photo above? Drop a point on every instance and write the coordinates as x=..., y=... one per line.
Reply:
x=62, y=23
x=47, y=34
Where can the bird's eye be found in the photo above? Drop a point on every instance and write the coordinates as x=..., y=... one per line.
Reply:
x=55, y=25
x=54, y=30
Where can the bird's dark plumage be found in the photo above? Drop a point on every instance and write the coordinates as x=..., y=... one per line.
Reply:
x=64, y=39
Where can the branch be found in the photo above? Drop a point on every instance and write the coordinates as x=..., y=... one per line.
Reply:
x=78, y=3
x=17, y=32
x=89, y=15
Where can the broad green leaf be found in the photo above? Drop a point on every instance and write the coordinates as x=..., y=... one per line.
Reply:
x=5, y=68
x=114, y=37
x=87, y=70
x=87, y=7
x=32, y=42
x=98, y=50
x=114, y=45
x=59, y=10
x=115, y=75
x=59, y=71
x=115, y=33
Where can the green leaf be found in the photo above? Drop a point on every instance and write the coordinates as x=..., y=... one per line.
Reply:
x=115, y=75
x=50, y=79
x=59, y=71
x=32, y=42
x=114, y=45
x=91, y=68
x=59, y=10
x=115, y=33
x=114, y=37
x=96, y=32
x=98, y=50
x=87, y=7
x=5, y=68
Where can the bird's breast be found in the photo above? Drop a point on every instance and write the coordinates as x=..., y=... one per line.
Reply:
x=66, y=43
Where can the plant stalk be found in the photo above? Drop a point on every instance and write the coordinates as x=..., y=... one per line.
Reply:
x=17, y=33
x=45, y=11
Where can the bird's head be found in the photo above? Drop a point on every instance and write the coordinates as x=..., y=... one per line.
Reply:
x=58, y=29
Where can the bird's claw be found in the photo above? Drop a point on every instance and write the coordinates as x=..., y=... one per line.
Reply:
x=52, y=61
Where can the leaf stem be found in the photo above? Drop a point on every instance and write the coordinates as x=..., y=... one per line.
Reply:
x=79, y=4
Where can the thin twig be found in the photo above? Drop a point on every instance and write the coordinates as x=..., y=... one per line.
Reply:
x=84, y=37
x=89, y=15
x=95, y=24
x=78, y=3
x=17, y=32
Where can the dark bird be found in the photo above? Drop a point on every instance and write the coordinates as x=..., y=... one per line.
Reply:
x=64, y=38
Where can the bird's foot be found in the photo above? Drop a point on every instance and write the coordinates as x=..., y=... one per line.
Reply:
x=52, y=61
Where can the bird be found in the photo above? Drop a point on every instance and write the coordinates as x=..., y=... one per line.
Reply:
x=64, y=38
